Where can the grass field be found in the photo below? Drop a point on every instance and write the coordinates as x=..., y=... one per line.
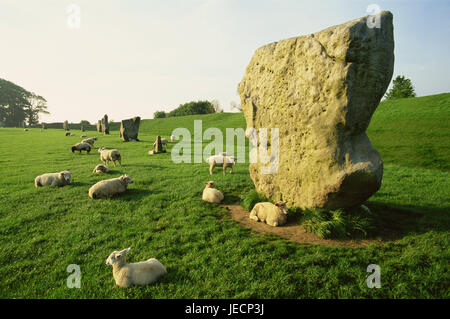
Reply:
x=207, y=254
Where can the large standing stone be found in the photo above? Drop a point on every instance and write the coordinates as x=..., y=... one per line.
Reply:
x=99, y=126
x=66, y=126
x=105, y=125
x=320, y=91
x=129, y=129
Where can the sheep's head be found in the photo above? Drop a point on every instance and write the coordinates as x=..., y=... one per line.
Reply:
x=117, y=256
x=282, y=207
x=66, y=175
x=101, y=149
x=210, y=184
x=126, y=179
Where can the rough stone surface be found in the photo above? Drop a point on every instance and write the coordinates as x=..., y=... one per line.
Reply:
x=129, y=129
x=105, y=125
x=99, y=126
x=320, y=91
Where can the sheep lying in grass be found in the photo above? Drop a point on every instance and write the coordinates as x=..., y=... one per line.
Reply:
x=221, y=160
x=100, y=168
x=83, y=136
x=81, y=147
x=110, y=156
x=273, y=215
x=110, y=187
x=89, y=140
x=53, y=179
x=211, y=194
x=141, y=273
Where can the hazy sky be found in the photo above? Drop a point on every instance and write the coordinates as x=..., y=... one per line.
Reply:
x=133, y=57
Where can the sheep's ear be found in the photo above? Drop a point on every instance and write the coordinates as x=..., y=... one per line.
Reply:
x=125, y=251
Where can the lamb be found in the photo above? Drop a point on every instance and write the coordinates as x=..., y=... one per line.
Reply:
x=173, y=138
x=221, y=160
x=81, y=147
x=110, y=156
x=100, y=168
x=53, y=179
x=211, y=194
x=89, y=140
x=141, y=273
x=110, y=187
x=273, y=215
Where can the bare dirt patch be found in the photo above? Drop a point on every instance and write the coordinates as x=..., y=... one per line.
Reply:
x=292, y=230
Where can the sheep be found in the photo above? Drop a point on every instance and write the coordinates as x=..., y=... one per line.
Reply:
x=140, y=273
x=173, y=138
x=164, y=141
x=89, y=140
x=72, y=134
x=25, y=129
x=53, y=179
x=110, y=187
x=100, y=168
x=221, y=160
x=273, y=215
x=67, y=133
x=83, y=136
x=81, y=147
x=211, y=194
x=110, y=156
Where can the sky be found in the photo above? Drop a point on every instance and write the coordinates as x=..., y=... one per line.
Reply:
x=129, y=58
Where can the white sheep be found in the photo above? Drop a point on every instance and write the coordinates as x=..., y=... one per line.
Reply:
x=221, y=160
x=140, y=273
x=273, y=215
x=81, y=147
x=89, y=140
x=110, y=187
x=53, y=179
x=100, y=168
x=211, y=194
x=173, y=138
x=110, y=156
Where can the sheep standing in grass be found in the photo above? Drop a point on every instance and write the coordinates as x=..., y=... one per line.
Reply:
x=141, y=273
x=110, y=187
x=221, y=160
x=100, y=168
x=81, y=147
x=211, y=194
x=173, y=138
x=89, y=141
x=110, y=156
x=273, y=215
x=53, y=179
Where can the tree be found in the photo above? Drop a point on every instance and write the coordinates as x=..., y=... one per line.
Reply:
x=191, y=108
x=236, y=106
x=216, y=106
x=85, y=122
x=402, y=88
x=159, y=114
x=18, y=105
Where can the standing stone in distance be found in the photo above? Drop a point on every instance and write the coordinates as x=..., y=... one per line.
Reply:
x=320, y=91
x=99, y=126
x=105, y=125
x=129, y=129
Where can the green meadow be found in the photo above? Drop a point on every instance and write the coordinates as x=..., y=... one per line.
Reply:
x=207, y=254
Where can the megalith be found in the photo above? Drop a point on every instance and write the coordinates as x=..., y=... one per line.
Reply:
x=320, y=90
x=129, y=129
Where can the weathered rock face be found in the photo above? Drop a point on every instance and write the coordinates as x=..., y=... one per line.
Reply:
x=105, y=124
x=99, y=126
x=129, y=129
x=320, y=91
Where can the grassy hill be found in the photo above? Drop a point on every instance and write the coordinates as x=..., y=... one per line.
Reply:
x=207, y=255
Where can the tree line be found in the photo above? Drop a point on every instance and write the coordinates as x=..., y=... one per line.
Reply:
x=19, y=106
x=191, y=108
